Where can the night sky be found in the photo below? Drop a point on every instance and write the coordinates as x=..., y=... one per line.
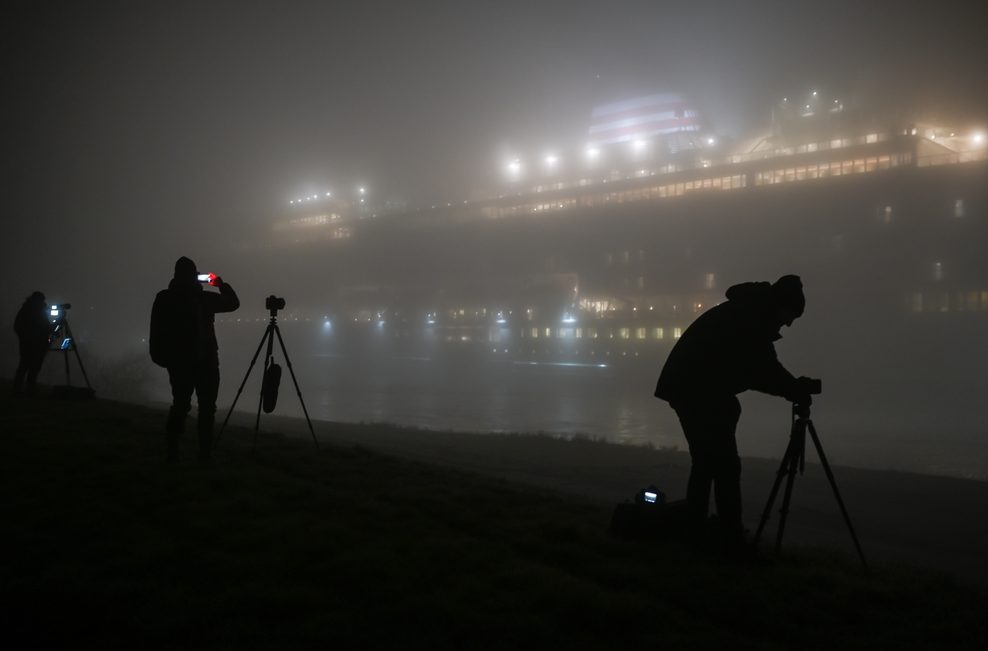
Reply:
x=135, y=132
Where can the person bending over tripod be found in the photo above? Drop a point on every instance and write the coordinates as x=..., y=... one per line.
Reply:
x=729, y=349
x=183, y=341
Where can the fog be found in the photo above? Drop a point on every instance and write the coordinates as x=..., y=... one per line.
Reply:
x=137, y=133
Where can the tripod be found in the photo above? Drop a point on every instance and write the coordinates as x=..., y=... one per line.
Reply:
x=64, y=341
x=268, y=336
x=794, y=461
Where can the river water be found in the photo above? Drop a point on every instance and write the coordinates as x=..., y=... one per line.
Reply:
x=923, y=417
x=487, y=391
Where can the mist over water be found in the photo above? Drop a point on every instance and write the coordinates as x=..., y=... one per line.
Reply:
x=873, y=413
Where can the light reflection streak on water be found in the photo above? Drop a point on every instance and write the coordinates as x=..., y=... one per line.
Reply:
x=570, y=364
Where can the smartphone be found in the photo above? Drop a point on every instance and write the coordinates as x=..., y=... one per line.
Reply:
x=209, y=279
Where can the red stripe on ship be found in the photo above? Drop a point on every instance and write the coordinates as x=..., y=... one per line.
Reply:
x=603, y=118
x=644, y=122
x=661, y=126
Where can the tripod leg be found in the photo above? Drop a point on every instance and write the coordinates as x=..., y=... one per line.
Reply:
x=833, y=484
x=305, y=411
x=66, y=333
x=260, y=400
x=82, y=368
x=68, y=377
x=783, y=469
x=75, y=349
x=795, y=461
x=784, y=511
x=253, y=360
x=268, y=361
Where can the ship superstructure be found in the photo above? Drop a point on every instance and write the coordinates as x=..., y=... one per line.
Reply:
x=587, y=258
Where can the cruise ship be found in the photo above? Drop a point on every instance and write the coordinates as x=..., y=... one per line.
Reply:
x=610, y=251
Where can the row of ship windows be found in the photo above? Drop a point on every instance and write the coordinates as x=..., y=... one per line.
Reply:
x=824, y=145
x=732, y=182
x=619, y=175
x=596, y=308
x=640, y=333
x=835, y=168
x=963, y=301
x=568, y=332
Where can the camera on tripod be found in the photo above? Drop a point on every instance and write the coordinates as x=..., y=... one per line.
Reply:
x=273, y=303
x=805, y=388
x=271, y=376
x=58, y=311
x=61, y=339
x=811, y=386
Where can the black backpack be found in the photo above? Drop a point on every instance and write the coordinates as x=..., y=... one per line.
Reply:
x=168, y=334
x=650, y=516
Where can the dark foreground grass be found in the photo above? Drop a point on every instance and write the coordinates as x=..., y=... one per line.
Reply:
x=106, y=545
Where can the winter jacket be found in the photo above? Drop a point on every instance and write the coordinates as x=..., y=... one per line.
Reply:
x=727, y=350
x=32, y=326
x=182, y=333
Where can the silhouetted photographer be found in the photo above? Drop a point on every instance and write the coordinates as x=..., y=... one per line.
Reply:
x=33, y=334
x=729, y=349
x=183, y=340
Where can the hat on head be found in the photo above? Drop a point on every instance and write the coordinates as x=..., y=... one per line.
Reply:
x=185, y=269
x=788, y=292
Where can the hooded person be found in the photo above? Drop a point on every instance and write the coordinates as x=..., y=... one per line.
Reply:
x=183, y=340
x=33, y=330
x=729, y=349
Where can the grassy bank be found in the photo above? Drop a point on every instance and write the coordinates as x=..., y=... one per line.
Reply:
x=344, y=548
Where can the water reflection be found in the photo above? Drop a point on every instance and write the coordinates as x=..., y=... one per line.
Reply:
x=872, y=429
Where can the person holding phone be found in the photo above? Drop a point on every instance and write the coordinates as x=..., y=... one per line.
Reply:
x=183, y=340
